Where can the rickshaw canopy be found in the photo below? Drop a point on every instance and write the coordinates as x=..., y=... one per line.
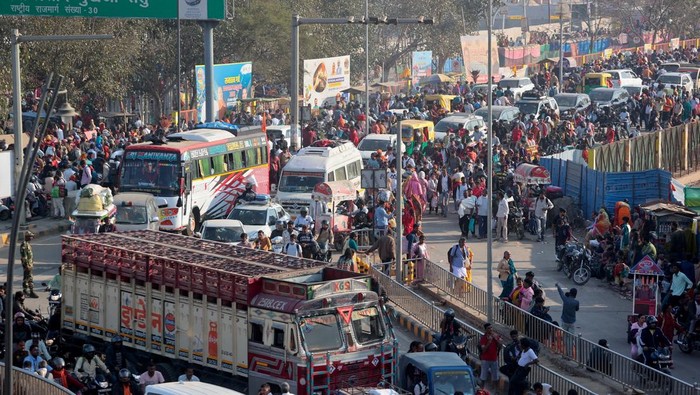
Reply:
x=532, y=174
x=334, y=192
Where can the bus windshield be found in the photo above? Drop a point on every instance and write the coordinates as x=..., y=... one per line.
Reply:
x=156, y=176
x=321, y=333
x=299, y=181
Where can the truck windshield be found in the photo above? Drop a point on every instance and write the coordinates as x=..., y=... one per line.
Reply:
x=300, y=181
x=448, y=381
x=321, y=333
x=367, y=325
x=159, y=177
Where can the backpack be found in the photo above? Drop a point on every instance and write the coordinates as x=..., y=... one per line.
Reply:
x=286, y=249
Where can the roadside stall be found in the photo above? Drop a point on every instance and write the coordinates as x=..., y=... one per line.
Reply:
x=664, y=214
x=645, y=292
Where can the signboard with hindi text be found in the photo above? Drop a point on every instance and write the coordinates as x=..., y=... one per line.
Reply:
x=160, y=9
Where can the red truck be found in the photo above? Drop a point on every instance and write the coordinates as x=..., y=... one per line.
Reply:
x=232, y=311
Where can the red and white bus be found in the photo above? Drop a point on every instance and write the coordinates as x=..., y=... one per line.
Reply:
x=199, y=172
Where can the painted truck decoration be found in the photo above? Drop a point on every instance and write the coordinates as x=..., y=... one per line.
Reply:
x=264, y=316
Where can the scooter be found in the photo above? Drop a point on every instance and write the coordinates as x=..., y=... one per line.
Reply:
x=6, y=208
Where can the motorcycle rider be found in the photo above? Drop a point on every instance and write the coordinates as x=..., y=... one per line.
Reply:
x=63, y=378
x=88, y=363
x=306, y=240
x=324, y=237
x=247, y=196
x=126, y=385
x=287, y=234
x=449, y=328
x=36, y=339
x=279, y=229
x=18, y=307
x=115, y=357
x=303, y=219
x=21, y=331
x=650, y=338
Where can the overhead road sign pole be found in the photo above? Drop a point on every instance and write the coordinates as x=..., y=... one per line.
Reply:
x=131, y=9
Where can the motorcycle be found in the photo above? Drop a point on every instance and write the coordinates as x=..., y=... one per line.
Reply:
x=322, y=254
x=661, y=359
x=687, y=343
x=97, y=386
x=575, y=262
x=55, y=298
x=457, y=344
x=515, y=222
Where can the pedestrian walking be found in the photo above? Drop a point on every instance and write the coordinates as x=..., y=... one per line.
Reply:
x=568, y=314
x=542, y=207
x=506, y=273
x=527, y=359
x=420, y=254
x=386, y=248
x=482, y=211
x=460, y=262
x=58, y=192
x=27, y=257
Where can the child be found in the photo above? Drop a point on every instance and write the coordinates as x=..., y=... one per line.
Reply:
x=620, y=272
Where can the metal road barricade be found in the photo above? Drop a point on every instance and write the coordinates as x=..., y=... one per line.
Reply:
x=586, y=353
x=25, y=382
x=426, y=313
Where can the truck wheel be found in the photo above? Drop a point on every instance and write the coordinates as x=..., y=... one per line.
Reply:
x=4, y=215
x=168, y=370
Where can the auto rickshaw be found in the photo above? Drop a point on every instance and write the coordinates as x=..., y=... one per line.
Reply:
x=417, y=133
x=445, y=101
x=330, y=195
x=596, y=80
x=446, y=373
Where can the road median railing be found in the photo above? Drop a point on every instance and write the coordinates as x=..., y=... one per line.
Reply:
x=588, y=354
x=25, y=382
x=430, y=315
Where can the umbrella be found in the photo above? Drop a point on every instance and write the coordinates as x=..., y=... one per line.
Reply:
x=435, y=79
x=532, y=174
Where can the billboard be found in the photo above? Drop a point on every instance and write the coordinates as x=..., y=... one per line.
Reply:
x=324, y=79
x=421, y=65
x=160, y=9
x=232, y=82
x=475, y=55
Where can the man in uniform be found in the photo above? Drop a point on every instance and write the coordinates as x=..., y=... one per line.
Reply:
x=27, y=256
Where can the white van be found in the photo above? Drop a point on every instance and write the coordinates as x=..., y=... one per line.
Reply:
x=313, y=165
x=276, y=132
x=188, y=388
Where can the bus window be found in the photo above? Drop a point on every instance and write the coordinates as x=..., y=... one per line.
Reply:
x=253, y=157
x=330, y=176
x=244, y=159
x=218, y=165
x=238, y=160
x=204, y=167
x=340, y=174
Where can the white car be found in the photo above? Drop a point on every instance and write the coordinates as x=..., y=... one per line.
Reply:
x=533, y=104
x=276, y=132
x=373, y=142
x=221, y=230
x=517, y=85
x=624, y=77
x=258, y=215
x=458, y=121
x=673, y=80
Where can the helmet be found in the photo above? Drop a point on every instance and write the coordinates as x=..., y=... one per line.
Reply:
x=59, y=363
x=304, y=211
x=116, y=339
x=449, y=313
x=431, y=347
x=88, y=348
x=124, y=373
x=19, y=315
x=651, y=320
x=280, y=222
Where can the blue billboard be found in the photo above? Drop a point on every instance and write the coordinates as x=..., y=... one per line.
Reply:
x=232, y=82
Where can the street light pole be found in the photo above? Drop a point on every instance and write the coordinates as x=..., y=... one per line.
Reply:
x=17, y=115
x=399, y=204
x=366, y=68
x=561, y=45
x=489, y=179
x=179, y=68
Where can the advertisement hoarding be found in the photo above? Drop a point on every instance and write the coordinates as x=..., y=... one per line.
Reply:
x=161, y=9
x=324, y=79
x=232, y=82
x=475, y=55
x=421, y=65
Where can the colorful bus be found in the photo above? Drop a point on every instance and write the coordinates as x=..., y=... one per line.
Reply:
x=199, y=172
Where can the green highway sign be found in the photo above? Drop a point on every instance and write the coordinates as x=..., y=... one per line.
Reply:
x=160, y=9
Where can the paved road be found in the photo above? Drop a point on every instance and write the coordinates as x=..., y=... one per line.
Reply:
x=603, y=311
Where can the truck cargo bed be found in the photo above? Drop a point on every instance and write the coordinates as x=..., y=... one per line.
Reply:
x=164, y=259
